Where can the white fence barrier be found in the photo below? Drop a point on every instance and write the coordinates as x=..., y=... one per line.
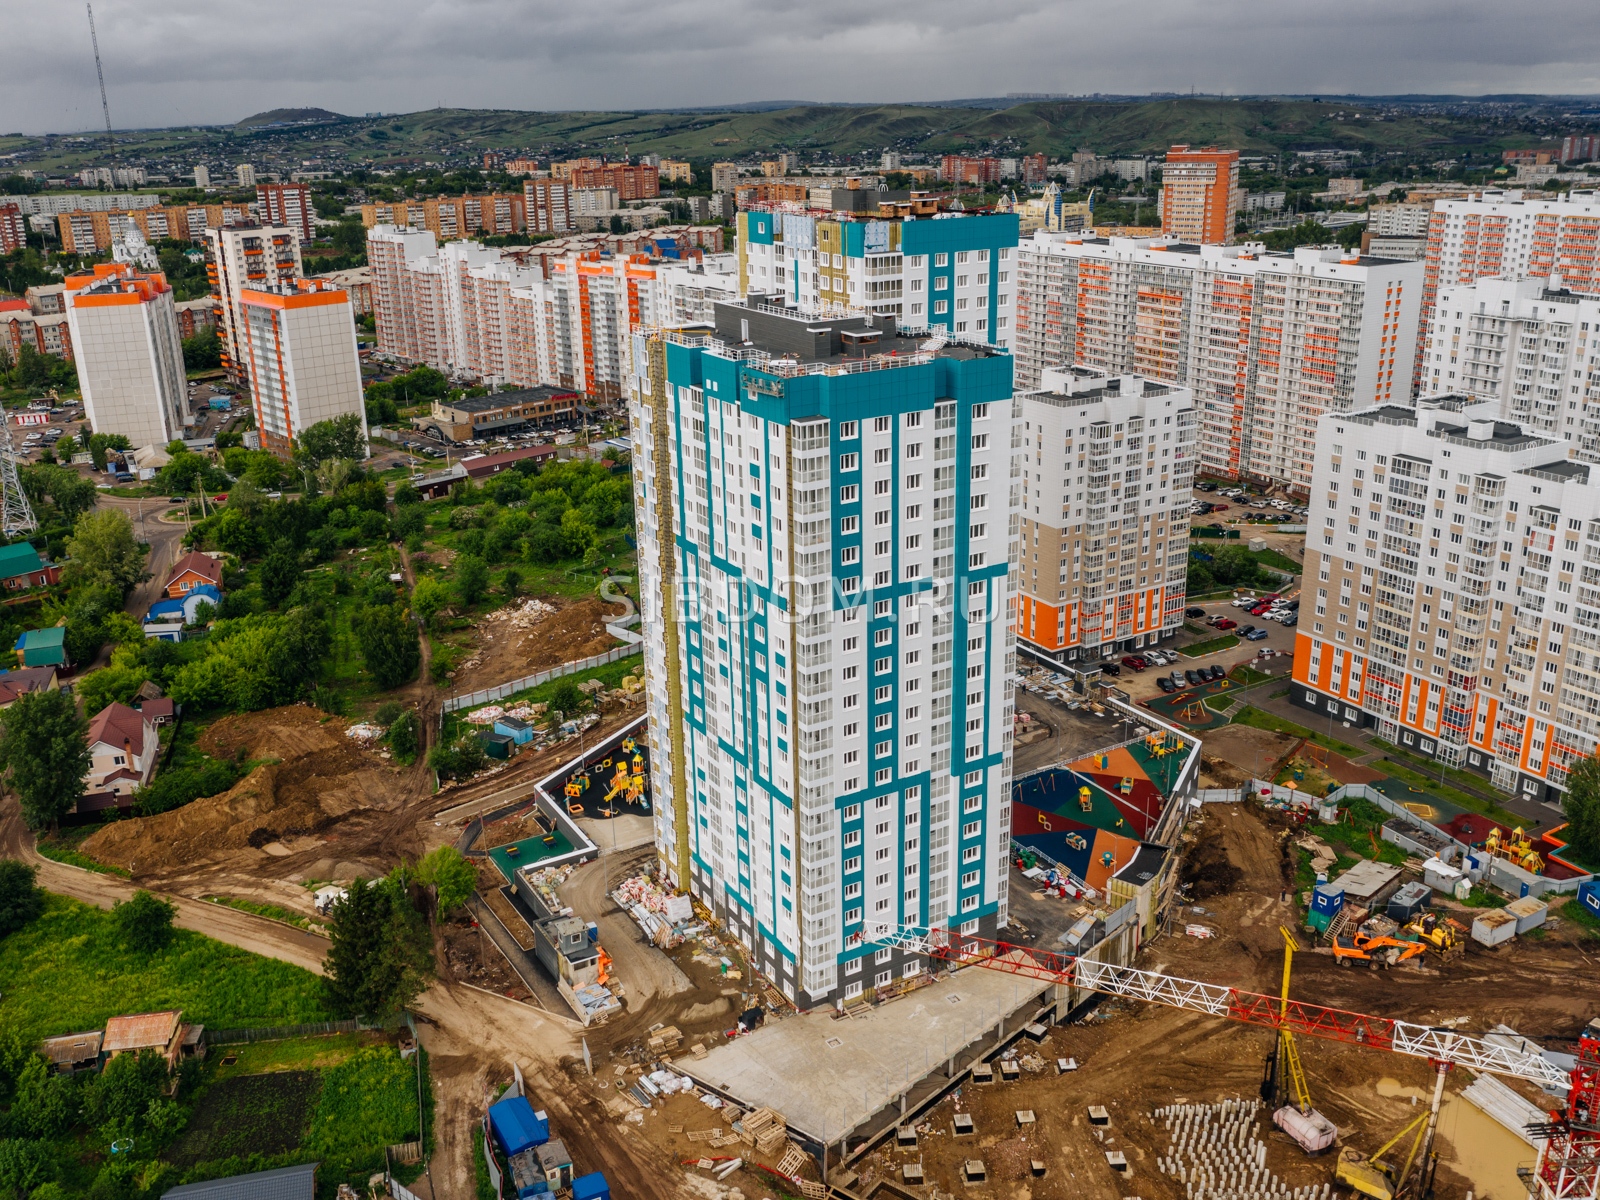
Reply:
x=501, y=691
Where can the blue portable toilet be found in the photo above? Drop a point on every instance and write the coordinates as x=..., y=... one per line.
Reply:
x=591, y=1187
x=517, y=1127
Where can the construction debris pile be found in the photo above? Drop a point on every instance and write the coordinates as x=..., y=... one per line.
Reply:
x=596, y=1000
x=365, y=733
x=1214, y=1151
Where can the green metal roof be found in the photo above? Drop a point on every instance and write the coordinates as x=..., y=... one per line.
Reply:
x=18, y=559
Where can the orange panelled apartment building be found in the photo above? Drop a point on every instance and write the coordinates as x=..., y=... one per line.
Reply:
x=1200, y=195
x=1445, y=601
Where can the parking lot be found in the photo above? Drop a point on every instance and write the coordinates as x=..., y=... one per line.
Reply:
x=1279, y=643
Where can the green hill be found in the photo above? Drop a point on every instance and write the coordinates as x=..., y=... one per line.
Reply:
x=1053, y=127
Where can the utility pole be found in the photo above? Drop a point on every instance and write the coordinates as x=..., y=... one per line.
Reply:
x=105, y=108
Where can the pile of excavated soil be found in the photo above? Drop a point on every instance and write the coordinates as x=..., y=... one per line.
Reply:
x=320, y=776
x=511, y=646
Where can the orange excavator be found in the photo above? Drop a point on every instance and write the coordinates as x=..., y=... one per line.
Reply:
x=1375, y=950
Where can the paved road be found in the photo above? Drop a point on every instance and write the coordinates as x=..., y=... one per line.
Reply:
x=166, y=545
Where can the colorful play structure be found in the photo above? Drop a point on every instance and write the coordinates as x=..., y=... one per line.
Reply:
x=628, y=783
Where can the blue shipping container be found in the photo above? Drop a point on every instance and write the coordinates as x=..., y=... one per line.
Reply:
x=516, y=1126
x=591, y=1187
x=1589, y=897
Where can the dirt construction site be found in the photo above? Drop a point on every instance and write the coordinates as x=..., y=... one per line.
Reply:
x=1031, y=1127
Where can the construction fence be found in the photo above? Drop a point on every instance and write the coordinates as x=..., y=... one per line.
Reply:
x=277, y=1033
x=501, y=691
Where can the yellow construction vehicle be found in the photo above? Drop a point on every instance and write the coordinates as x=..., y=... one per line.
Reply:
x=1442, y=936
x=1374, y=1177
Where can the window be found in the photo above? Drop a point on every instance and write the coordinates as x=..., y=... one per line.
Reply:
x=969, y=879
x=882, y=695
x=850, y=554
x=941, y=306
x=976, y=531
x=849, y=524
x=849, y=429
x=849, y=493
x=941, y=260
x=849, y=462
x=880, y=665
x=980, y=441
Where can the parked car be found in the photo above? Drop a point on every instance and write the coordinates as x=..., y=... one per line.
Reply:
x=1193, y=677
x=1178, y=680
x=1246, y=630
x=1226, y=623
x=1219, y=508
x=1205, y=487
x=1110, y=668
x=1166, y=685
x=1256, y=635
x=1194, y=610
x=1132, y=663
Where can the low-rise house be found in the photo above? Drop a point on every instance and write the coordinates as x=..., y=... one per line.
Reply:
x=16, y=684
x=160, y=1031
x=481, y=466
x=468, y=417
x=43, y=647
x=22, y=568
x=183, y=609
x=123, y=747
x=73, y=1052
x=157, y=711
x=194, y=569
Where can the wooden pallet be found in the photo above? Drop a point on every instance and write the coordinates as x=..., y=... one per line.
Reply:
x=704, y=1135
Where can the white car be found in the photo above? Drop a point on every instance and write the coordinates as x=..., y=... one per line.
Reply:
x=1245, y=602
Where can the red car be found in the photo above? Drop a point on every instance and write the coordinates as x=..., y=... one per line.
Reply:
x=1138, y=664
x=1226, y=623
x=1219, y=508
x=1259, y=609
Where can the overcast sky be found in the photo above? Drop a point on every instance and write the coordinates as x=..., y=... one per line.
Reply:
x=170, y=62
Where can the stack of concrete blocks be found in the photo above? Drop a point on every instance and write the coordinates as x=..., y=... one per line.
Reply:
x=1214, y=1150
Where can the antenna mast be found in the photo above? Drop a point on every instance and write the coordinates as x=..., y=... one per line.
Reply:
x=94, y=41
x=16, y=514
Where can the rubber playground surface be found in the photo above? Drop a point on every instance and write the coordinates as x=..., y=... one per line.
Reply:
x=1090, y=814
x=1187, y=707
x=529, y=851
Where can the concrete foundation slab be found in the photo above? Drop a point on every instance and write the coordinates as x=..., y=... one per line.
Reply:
x=829, y=1075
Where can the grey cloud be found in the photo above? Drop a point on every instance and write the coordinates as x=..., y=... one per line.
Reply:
x=218, y=60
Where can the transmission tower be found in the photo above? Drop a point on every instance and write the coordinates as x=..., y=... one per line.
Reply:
x=94, y=41
x=16, y=514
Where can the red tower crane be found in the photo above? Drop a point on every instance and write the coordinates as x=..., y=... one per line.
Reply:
x=1568, y=1167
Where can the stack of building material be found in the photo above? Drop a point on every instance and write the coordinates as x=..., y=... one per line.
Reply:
x=765, y=1129
x=665, y=1040
x=1505, y=1106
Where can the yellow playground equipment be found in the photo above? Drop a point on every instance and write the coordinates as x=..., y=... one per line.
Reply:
x=1085, y=801
x=1075, y=840
x=1126, y=786
x=1514, y=848
x=629, y=787
x=628, y=745
x=1156, y=743
x=638, y=764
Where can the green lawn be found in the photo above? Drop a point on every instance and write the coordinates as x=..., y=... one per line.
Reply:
x=68, y=972
x=1257, y=719
x=1275, y=558
x=1428, y=780
x=1211, y=646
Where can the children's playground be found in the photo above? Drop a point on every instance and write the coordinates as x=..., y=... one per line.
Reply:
x=1091, y=814
x=611, y=781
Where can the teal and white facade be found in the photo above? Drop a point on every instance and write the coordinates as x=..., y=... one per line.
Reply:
x=828, y=524
x=952, y=272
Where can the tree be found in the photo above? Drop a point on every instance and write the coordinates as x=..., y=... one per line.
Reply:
x=71, y=493
x=1582, y=807
x=46, y=1104
x=429, y=598
x=380, y=958
x=23, y=1165
x=102, y=552
x=566, y=696
x=99, y=443
x=280, y=572
x=472, y=579
x=144, y=923
x=389, y=644
x=44, y=744
x=405, y=735
x=202, y=352
x=118, y=683
x=119, y=1098
x=510, y=582
x=342, y=437
x=21, y=903
x=453, y=877
x=459, y=761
